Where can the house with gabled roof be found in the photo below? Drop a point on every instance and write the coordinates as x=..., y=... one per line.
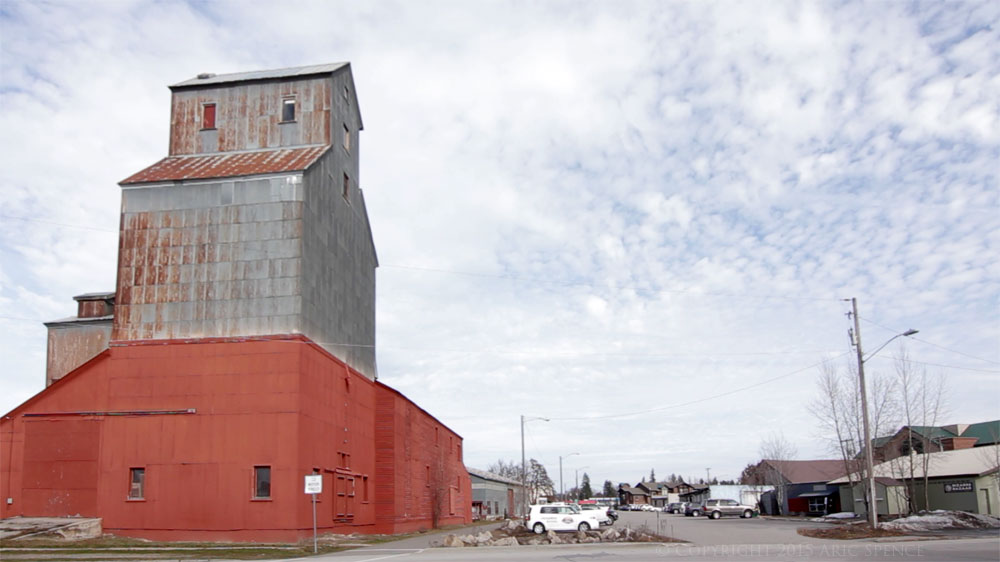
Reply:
x=926, y=439
x=801, y=486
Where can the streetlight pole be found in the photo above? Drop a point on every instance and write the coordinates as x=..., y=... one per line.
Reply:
x=524, y=469
x=562, y=490
x=869, y=454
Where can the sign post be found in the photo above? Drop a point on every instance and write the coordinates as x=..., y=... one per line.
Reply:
x=314, y=485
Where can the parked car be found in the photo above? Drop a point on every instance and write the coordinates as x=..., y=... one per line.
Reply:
x=608, y=514
x=715, y=509
x=693, y=509
x=647, y=507
x=549, y=517
x=675, y=507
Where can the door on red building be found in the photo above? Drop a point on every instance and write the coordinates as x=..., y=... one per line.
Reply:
x=60, y=467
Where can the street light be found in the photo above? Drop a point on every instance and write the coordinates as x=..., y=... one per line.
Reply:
x=578, y=481
x=869, y=458
x=524, y=469
x=562, y=490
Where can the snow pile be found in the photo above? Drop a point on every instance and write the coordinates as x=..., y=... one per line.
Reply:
x=940, y=519
x=841, y=515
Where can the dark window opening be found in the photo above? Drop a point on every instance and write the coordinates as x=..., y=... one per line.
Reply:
x=347, y=187
x=208, y=116
x=137, y=483
x=261, y=482
x=288, y=110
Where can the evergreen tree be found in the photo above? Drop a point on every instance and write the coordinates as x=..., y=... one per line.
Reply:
x=585, y=491
x=652, y=475
x=609, y=490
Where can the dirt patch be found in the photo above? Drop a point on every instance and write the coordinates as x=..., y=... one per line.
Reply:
x=849, y=531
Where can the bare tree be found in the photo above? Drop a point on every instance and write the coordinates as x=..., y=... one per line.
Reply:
x=776, y=448
x=923, y=402
x=837, y=408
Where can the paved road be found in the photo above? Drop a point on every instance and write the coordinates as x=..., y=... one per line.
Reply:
x=723, y=539
x=830, y=551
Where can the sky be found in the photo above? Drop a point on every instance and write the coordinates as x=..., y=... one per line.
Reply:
x=639, y=220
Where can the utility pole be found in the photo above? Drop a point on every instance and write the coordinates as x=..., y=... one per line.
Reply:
x=524, y=465
x=708, y=476
x=869, y=459
x=562, y=490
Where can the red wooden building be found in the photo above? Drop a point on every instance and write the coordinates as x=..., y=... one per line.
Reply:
x=220, y=389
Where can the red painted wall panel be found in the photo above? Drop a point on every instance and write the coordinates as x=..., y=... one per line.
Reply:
x=284, y=403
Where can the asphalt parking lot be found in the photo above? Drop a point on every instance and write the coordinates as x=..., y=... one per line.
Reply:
x=728, y=530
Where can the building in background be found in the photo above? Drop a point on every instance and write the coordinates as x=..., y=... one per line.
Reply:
x=237, y=353
x=800, y=487
x=495, y=496
x=961, y=479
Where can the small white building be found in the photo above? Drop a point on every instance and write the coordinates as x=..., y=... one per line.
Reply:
x=746, y=494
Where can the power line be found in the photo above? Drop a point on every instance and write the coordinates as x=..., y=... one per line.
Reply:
x=537, y=281
x=942, y=365
x=54, y=223
x=705, y=399
x=872, y=322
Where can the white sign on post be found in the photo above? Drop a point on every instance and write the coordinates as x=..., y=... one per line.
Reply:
x=314, y=483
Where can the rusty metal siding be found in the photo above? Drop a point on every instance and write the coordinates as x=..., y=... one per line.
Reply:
x=338, y=287
x=248, y=116
x=72, y=344
x=193, y=266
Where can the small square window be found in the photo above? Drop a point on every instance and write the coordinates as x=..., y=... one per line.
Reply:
x=287, y=110
x=208, y=116
x=137, y=484
x=262, y=482
x=347, y=138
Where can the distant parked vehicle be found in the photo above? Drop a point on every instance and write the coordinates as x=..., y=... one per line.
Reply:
x=675, y=507
x=693, y=510
x=715, y=509
x=608, y=515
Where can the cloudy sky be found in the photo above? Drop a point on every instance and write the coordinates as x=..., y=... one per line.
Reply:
x=637, y=219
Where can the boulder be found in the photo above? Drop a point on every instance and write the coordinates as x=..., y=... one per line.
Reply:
x=468, y=540
x=452, y=540
x=512, y=525
x=610, y=535
x=483, y=538
x=506, y=541
x=553, y=537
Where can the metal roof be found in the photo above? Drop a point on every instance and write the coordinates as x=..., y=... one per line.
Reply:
x=228, y=164
x=986, y=432
x=293, y=72
x=486, y=475
x=799, y=472
x=961, y=462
